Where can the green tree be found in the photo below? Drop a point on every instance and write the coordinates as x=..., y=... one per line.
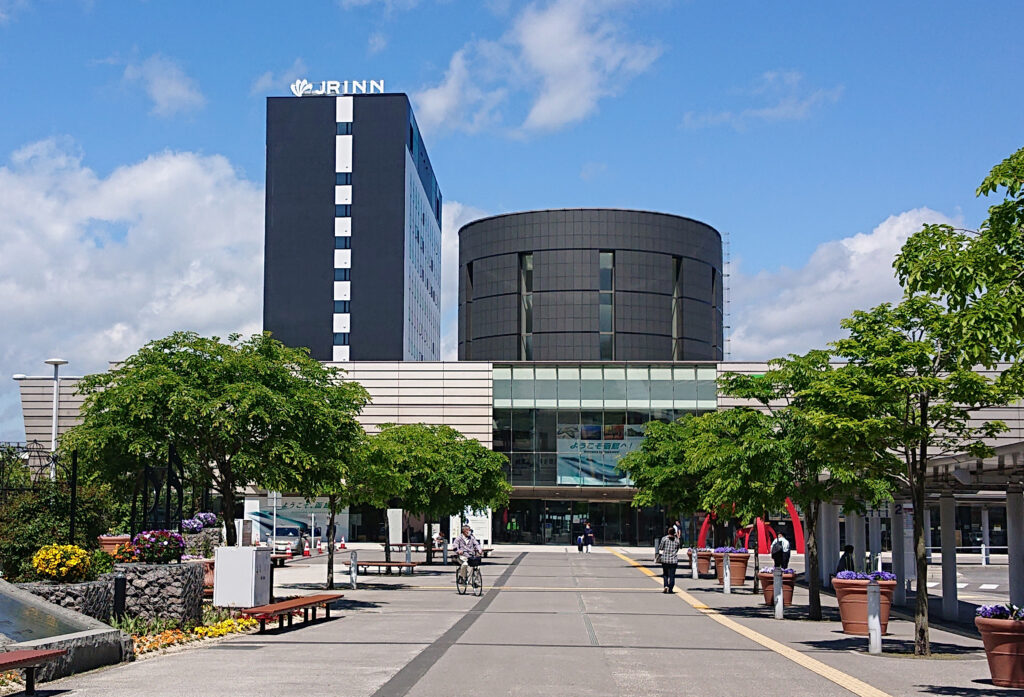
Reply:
x=238, y=412
x=445, y=472
x=659, y=469
x=910, y=391
x=787, y=453
x=979, y=274
x=331, y=443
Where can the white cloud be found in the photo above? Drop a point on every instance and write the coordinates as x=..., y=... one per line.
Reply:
x=166, y=84
x=270, y=80
x=782, y=97
x=774, y=313
x=377, y=42
x=562, y=57
x=453, y=216
x=93, y=267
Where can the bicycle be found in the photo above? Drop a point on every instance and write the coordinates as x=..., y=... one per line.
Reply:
x=473, y=578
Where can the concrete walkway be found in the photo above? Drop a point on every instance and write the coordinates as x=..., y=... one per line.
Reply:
x=551, y=622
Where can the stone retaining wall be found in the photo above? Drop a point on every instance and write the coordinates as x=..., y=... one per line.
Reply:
x=202, y=543
x=166, y=591
x=92, y=598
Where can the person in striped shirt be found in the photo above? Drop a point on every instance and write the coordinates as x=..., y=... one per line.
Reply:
x=668, y=557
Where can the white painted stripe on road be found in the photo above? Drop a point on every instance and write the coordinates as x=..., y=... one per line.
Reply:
x=961, y=585
x=988, y=586
x=932, y=584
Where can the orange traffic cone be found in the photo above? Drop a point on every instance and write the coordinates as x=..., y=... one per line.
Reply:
x=341, y=545
x=288, y=555
x=320, y=547
x=305, y=549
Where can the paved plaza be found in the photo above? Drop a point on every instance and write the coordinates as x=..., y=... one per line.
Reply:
x=551, y=622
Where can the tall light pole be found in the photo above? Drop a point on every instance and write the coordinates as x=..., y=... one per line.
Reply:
x=56, y=363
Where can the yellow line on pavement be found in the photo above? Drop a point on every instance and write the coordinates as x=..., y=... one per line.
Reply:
x=848, y=682
x=572, y=589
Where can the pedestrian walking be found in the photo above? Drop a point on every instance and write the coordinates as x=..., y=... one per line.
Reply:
x=780, y=551
x=588, y=536
x=668, y=557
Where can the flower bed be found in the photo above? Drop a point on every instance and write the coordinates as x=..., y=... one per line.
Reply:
x=158, y=546
x=1002, y=632
x=739, y=558
x=147, y=643
x=767, y=577
x=852, y=594
x=62, y=563
x=164, y=591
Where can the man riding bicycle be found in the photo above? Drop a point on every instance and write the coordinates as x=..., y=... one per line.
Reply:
x=466, y=546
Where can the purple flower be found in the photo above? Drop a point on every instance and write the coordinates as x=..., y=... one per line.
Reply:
x=192, y=525
x=882, y=576
x=771, y=570
x=730, y=550
x=1001, y=612
x=207, y=519
x=851, y=576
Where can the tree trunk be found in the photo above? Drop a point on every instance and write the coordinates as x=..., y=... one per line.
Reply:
x=922, y=644
x=812, y=565
x=428, y=542
x=387, y=541
x=228, y=500
x=332, y=506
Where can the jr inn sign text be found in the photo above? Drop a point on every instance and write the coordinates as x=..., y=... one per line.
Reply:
x=305, y=88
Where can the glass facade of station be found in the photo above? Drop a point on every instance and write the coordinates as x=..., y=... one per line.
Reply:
x=569, y=424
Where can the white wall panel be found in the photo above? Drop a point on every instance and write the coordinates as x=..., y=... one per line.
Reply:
x=341, y=353
x=342, y=153
x=343, y=109
x=343, y=290
x=342, y=195
x=343, y=227
x=343, y=258
x=342, y=321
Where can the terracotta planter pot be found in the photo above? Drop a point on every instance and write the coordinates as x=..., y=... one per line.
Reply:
x=703, y=562
x=108, y=543
x=768, y=586
x=207, y=574
x=852, y=595
x=1004, y=648
x=737, y=568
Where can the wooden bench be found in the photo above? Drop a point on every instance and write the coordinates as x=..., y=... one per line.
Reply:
x=285, y=608
x=29, y=660
x=381, y=565
x=278, y=559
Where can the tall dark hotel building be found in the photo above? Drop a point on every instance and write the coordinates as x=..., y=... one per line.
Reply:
x=352, y=265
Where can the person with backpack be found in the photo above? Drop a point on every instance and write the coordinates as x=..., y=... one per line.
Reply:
x=780, y=551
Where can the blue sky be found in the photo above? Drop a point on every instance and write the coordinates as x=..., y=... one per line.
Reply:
x=132, y=143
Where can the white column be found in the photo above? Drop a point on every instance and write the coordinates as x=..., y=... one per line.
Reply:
x=828, y=543
x=855, y=537
x=928, y=532
x=1015, y=541
x=875, y=537
x=947, y=521
x=985, y=540
x=898, y=567
x=832, y=530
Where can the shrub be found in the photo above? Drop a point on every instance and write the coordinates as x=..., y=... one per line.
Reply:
x=34, y=518
x=61, y=563
x=158, y=546
x=124, y=553
x=102, y=563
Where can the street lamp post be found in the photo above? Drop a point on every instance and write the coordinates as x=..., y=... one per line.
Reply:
x=56, y=363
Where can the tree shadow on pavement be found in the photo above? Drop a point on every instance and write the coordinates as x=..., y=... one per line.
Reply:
x=897, y=647
x=989, y=690
x=794, y=613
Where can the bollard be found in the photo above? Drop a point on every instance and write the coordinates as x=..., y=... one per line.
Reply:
x=777, y=591
x=693, y=564
x=120, y=593
x=353, y=569
x=874, y=617
x=444, y=554
x=408, y=554
x=726, y=575
x=984, y=554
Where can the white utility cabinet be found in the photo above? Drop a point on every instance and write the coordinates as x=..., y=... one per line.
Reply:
x=241, y=576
